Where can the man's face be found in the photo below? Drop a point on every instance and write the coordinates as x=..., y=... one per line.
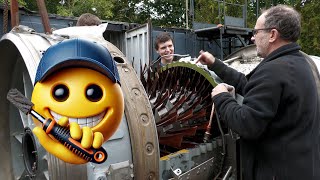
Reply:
x=165, y=50
x=261, y=38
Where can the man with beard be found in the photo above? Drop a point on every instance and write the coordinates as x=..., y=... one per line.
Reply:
x=278, y=121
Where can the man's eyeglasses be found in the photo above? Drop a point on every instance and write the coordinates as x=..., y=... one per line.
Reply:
x=255, y=31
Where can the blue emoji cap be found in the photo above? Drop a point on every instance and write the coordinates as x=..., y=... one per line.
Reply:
x=77, y=53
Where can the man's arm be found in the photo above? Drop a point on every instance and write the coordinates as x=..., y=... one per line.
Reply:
x=227, y=74
x=261, y=101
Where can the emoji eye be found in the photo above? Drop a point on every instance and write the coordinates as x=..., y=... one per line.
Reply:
x=60, y=93
x=94, y=93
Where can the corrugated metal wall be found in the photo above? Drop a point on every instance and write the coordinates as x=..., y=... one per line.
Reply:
x=34, y=22
x=115, y=36
x=183, y=40
x=137, y=47
x=140, y=44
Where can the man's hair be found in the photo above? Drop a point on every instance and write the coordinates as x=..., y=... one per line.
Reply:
x=286, y=20
x=162, y=38
x=88, y=19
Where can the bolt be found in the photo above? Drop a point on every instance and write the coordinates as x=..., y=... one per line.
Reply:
x=131, y=166
x=136, y=92
x=149, y=148
x=144, y=118
x=34, y=166
x=126, y=69
x=101, y=178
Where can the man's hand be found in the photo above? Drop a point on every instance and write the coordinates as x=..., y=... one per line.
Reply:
x=88, y=140
x=220, y=88
x=205, y=58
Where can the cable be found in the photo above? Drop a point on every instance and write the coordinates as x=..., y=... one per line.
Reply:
x=223, y=145
x=207, y=134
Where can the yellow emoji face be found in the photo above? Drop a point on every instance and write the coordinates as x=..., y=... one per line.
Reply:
x=84, y=96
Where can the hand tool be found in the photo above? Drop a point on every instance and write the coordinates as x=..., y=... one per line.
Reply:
x=62, y=134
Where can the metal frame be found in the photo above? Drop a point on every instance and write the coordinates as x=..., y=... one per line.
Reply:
x=231, y=29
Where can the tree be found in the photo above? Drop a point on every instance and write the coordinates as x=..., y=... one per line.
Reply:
x=124, y=10
x=101, y=8
x=32, y=5
x=161, y=13
x=207, y=12
x=310, y=34
x=171, y=13
x=167, y=14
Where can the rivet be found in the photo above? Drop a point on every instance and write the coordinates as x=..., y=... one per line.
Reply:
x=144, y=119
x=136, y=92
x=149, y=148
x=126, y=69
x=151, y=176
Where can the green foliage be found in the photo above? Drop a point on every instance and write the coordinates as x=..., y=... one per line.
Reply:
x=167, y=14
x=101, y=8
x=144, y=10
x=160, y=13
x=21, y=2
x=123, y=10
x=32, y=5
x=310, y=34
x=171, y=13
x=207, y=12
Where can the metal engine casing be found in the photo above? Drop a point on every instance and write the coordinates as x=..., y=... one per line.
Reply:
x=133, y=150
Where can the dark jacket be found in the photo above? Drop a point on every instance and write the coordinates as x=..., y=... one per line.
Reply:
x=279, y=120
x=156, y=65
